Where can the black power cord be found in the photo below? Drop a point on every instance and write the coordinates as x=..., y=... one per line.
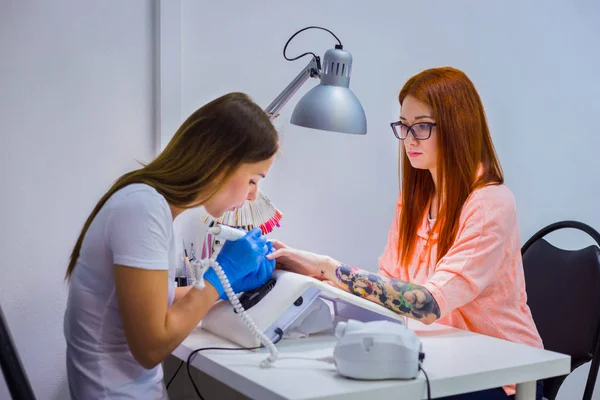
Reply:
x=317, y=58
x=175, y=374
x=427, y=381
x=278, y=331
x=421, y=358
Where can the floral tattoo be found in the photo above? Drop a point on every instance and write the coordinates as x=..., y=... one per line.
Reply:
x=402, y=297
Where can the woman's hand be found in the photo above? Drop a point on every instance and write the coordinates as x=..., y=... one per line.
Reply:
x=257, y=278
x=299, y=261
x=239, y=258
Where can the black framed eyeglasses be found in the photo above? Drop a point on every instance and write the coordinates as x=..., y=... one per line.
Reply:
x=419, y=130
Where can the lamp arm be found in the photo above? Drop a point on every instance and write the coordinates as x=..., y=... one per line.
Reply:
x=311, y=70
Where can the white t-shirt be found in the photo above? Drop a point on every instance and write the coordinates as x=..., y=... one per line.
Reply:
x=133, y=228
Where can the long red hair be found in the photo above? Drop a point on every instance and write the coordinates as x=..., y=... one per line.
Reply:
x=464, y=145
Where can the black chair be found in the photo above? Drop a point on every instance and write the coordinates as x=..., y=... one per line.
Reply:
x=12, y=368
x=563, y=292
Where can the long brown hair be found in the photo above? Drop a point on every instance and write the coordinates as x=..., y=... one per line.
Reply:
x=204, y=152
x=464, y=145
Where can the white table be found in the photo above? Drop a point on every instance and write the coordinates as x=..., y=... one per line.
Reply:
x=456, y=362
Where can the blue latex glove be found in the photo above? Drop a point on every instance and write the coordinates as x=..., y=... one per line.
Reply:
x=256, y=278
x=238, y=258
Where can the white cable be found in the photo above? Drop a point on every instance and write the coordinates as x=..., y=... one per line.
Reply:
x=245, y=317
x=201, y=267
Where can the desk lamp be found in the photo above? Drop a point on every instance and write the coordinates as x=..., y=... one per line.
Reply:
x=331, y=105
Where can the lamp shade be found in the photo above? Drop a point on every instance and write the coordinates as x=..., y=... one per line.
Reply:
x=331, y=105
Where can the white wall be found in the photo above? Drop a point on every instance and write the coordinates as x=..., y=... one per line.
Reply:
x=534, y=63
x=76, y=111
x=535, y=67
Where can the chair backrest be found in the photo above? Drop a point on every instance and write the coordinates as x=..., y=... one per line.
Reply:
x=563, y=292
x=12, y=368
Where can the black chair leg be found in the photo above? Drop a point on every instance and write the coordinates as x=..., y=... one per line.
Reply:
x=12, y=368
x=591, y=380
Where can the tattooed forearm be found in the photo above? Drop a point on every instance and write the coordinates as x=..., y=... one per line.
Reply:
x=362, y=283
x=402, y=297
